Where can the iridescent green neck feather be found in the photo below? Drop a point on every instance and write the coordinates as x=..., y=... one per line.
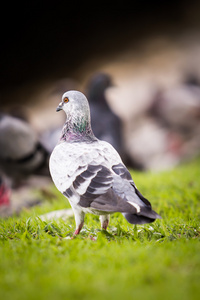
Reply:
x=77, y=130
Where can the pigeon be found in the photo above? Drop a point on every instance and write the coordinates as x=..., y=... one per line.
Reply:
x=21, y=153
x=90, y=173
x=106, y=125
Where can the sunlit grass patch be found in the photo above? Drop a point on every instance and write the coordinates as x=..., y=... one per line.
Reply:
x=43, y=260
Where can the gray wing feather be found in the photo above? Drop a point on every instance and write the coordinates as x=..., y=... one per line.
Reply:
x=100, y=182
x=116, y=193
x=102, y=192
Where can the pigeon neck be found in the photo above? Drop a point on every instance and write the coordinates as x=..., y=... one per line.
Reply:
x=77, y=131
x=98, y=98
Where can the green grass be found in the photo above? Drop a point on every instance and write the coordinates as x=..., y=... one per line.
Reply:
x=155, y=261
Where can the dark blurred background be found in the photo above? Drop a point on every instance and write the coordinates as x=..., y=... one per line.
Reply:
x=47, y=39
x=149, y=49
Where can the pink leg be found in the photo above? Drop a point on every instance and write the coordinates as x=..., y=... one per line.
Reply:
x=104, y=221
x=79, y=219
x=105, y=224
x=77, y=231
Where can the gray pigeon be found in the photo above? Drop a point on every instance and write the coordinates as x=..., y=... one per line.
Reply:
x=21, y=153
x=106, y=125
x=90, y=172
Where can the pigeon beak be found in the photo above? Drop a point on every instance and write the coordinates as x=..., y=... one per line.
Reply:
x=59, y=107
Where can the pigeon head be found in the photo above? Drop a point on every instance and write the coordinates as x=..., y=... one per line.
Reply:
x=97, y=86
x=77, y=125
x=74, y=102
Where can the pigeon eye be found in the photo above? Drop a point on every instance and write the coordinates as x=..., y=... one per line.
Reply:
x=66, y=100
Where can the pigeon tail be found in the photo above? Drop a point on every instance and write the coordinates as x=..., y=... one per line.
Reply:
x=147, y=215
x=135, y=219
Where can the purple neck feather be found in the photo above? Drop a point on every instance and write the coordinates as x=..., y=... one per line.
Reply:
x=77, y=132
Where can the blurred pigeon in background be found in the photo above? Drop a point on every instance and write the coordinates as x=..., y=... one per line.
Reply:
x=106, y=125
x=168, y=132
x=50, y=137
x=21, y=153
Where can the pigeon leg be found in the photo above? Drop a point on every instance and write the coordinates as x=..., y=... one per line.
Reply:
x=79, y=219
x=78, y=229
x=104, y=219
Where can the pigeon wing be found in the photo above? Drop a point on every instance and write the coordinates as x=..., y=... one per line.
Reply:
x=110, y=191
x=102, y=190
